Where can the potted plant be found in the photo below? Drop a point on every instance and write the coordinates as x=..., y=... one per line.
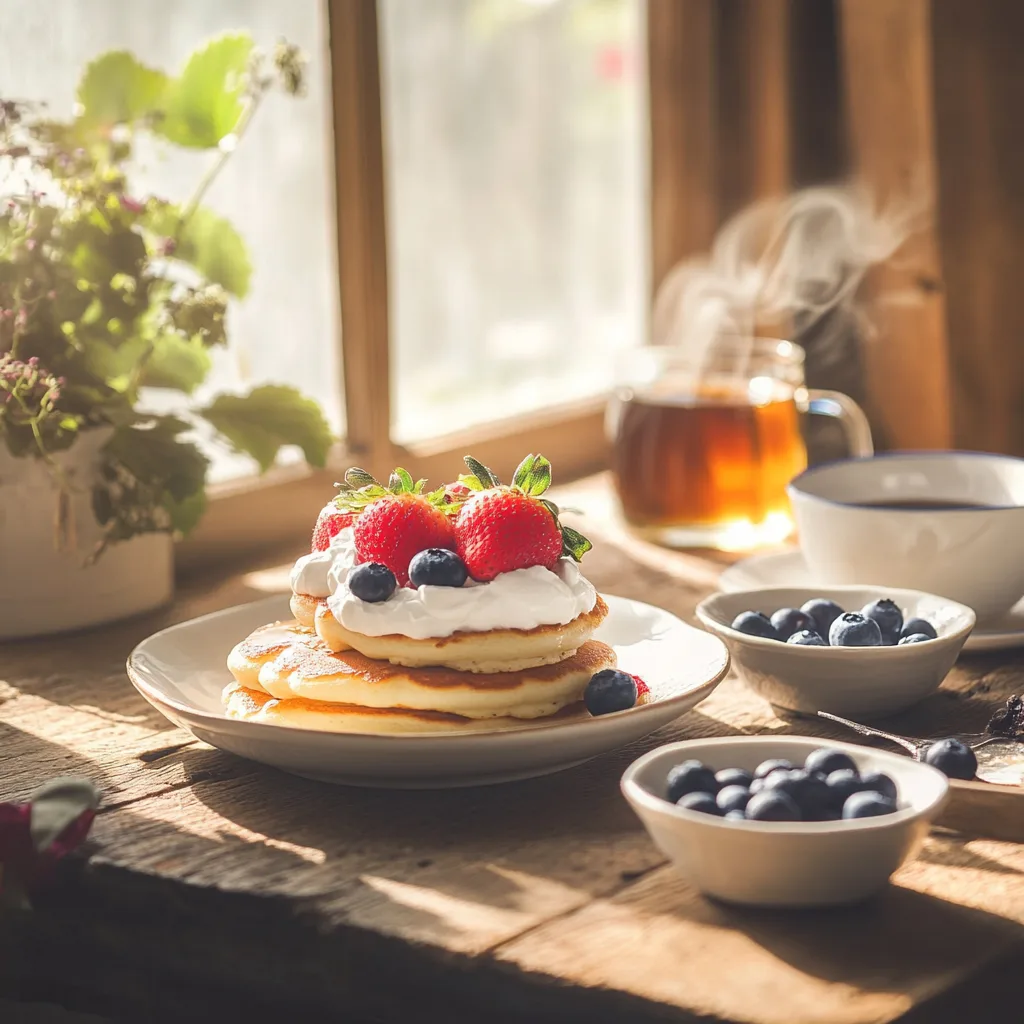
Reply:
x=105, y=294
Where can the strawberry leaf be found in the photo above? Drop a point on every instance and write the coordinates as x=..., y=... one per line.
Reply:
x=482, y=473
x=356, y=478
x=533, y=476
x=550, y=506
x=471, y=482
x=574, y=544
x=407, y=484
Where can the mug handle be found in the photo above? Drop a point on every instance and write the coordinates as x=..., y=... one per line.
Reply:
x=850, y=415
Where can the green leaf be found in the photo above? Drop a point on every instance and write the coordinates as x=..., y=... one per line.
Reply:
x=208, y=242
x=470, y=481
x=185, y=514
x=56, y=804
x=176, y=362
x=406, y=480
x=269, y=417
x=574, y=544
x=533, y=475
x=356, y=478
x=485, y=477
x=153, y=454
x=205, y=102
x=116, y=89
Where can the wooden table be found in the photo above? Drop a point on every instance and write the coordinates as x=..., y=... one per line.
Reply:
x=218, y=889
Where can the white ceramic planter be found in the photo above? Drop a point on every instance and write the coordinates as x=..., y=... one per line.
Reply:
x=45, y=590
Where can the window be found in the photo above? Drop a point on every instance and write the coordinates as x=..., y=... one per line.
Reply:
x=515, y=163
x=489, y=156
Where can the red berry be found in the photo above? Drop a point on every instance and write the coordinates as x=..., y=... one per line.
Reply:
x=501, y=529
x=395, y=527
x=331, y=521
x=642, y=689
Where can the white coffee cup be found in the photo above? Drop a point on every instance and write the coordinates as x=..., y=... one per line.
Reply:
x=867, y=521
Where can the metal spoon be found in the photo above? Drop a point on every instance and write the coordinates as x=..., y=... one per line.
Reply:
x=999, y=759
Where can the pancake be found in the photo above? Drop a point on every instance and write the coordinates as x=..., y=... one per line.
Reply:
x=497, y=650
x=304, y=608
x=264, y=645
x=348, y=677
x=258, y=706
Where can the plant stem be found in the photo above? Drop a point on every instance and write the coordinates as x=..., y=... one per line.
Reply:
x=223, y=156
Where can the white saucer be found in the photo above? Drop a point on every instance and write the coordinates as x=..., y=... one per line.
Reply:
x=181, y=671
x=788, y=569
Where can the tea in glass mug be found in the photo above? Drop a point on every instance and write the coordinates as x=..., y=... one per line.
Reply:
x=702, y=455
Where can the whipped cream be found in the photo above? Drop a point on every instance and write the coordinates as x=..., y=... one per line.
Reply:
x=523, y=599
x=310, y=574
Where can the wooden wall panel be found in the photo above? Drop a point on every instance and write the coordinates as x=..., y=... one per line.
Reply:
x=888, y=77
x=681, y=66
x=978, y=69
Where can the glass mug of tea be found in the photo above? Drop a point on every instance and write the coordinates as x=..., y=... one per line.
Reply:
x=702, y=456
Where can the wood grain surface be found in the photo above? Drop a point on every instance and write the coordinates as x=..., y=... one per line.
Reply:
x=216, y=889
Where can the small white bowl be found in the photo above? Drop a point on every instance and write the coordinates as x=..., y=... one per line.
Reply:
x=855, y=682
x=784, y=864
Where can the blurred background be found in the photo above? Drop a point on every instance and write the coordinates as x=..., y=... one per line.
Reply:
x=463, y=225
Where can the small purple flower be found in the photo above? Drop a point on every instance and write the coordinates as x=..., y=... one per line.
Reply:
x=33, y=361
x=167, y=247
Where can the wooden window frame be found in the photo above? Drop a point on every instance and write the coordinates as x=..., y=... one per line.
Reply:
x=280, y=506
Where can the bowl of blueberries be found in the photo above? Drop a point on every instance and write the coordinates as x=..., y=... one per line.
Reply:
x=783, y=821
x=853, y=651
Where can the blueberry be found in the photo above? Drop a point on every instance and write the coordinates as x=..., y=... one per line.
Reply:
x=852, y=629
x=734, y=777
x=810, y=792
x=807, y=638
x=732, y=798
x=765, y=768
x=690, y=777
x=831, y=815
x=823, y=611
x=788, y=621
x=888, y=616
x=756, y=786
x=842, y=785
x=879, y=782
x=828, y=760
x=735, y=816
x=372, y=582
x=610, y=690
x=756, y=624
x=867, y=804
x=914, y=626
x=913, y=638
x=703, y=802
x=437, y=567
x=952, y=757
x=773, y=805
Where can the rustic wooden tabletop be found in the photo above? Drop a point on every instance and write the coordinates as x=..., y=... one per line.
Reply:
x=216, y=889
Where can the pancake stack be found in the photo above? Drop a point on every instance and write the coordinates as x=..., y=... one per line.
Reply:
x=323, y=670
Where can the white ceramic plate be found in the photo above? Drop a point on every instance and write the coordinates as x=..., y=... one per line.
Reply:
x=181, y=672
x=788, y=569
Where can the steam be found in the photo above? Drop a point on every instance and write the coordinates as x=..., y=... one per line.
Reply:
x=779, y=266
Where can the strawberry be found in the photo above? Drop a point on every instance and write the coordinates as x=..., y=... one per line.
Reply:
x=331, y=521
x=499, y=529
x=396, y=522
x=642, y=689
